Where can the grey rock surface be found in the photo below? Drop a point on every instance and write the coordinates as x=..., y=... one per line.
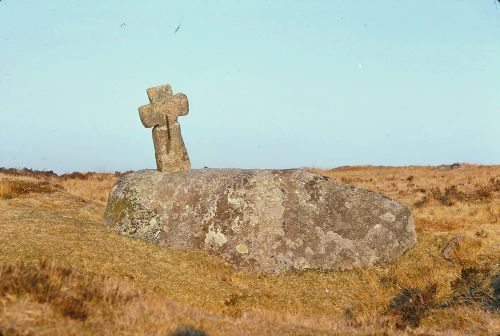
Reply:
x=270, y=221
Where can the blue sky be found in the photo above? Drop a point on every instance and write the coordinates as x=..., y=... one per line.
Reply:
x=271, y=84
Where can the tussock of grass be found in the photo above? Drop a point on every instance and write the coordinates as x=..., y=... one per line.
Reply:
x=161, y=290
x=15, y=188
x=70, y=294
x=90, y=187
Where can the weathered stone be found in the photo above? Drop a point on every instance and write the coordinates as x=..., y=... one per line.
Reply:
x=264, y=220
x=161, y=114
x=451, y=247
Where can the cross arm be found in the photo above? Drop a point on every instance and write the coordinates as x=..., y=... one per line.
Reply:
x=151, y=116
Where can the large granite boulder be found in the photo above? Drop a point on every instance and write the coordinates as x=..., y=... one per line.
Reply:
x=263, y=220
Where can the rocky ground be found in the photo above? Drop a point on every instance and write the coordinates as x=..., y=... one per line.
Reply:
x=63, y=272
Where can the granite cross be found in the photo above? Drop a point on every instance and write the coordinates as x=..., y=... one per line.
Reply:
x=161, y=114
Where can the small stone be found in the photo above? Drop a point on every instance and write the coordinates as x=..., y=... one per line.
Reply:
x=448, y=251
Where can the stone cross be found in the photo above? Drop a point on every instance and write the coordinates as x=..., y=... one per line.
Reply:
x=161, y=114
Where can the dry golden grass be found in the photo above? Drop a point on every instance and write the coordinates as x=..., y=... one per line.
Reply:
x=90, y=186
x=63, y=272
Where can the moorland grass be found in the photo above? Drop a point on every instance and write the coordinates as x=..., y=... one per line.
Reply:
x=64, y=272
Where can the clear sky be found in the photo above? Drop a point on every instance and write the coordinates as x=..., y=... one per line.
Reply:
x=271, y=84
